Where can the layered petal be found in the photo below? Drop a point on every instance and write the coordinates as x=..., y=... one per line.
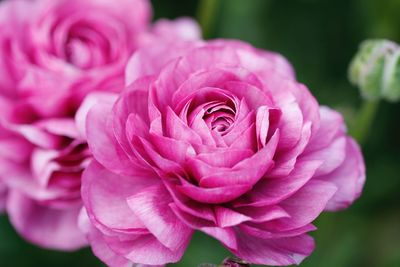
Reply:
x=275, y=252
x=152, y=208
x=349, y=178
x=105, y=196
x=50, y=228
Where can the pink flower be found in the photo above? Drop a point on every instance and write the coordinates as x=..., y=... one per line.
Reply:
x=42, y=167
x=220, y=139
x=52, y=54
x=71, y=45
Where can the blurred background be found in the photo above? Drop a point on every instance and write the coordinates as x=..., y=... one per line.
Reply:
x=319, y=37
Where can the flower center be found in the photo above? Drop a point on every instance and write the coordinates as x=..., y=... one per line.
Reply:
x=219, y=116
x=86, y=48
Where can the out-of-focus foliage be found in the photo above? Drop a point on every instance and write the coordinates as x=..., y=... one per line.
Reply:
x=319, y=37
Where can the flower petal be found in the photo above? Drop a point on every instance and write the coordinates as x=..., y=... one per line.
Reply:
x=273, y=191
x=104, y=194
x=275, y=252
x=44, y=226
x=304, y=206
x=248, y=171
x=349, y=178
x=151, y=207
x=99, y=132
x=88, y=103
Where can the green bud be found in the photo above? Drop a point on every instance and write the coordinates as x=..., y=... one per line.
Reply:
x=375, y=69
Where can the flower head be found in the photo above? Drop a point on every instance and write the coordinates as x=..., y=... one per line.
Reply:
x=52, y=54
x=217, y=137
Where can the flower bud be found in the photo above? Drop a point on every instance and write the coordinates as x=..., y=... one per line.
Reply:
x=375, y=70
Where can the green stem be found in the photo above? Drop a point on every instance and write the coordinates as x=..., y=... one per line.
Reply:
x=364, y=120
x=206, y=15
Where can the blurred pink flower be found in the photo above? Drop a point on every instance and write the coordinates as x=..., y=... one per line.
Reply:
x=52, y=54
x=217, y=137
x=55, y=51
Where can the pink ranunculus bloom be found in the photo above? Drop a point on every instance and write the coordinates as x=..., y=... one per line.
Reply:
x=217, y=137
x=52, y=54
x=55, y=51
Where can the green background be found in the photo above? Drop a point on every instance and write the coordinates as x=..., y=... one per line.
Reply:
x=319, y=37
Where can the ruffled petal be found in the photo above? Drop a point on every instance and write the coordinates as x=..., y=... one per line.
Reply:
x=349, y=178
x=275, y=252
x=44, y=226
x=105, y=196
x=151, y=207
